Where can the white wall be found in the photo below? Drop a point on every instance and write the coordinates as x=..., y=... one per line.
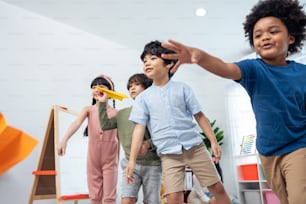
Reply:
x=44, y=62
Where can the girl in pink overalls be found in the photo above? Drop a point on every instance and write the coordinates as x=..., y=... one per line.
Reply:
x=103, y=147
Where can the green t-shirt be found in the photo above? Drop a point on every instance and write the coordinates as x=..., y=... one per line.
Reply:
x=125, y=131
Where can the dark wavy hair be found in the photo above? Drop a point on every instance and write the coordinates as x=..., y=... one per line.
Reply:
x=290, y=12
x=139, y=78
x=155, y=48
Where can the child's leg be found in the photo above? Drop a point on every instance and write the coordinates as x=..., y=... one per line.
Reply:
x=173, y=171
x=175, y=198
x=295, y=177
x=219, y=193
x=151, y=182
x=129, y=192
x=200, y=161
x=271, y=167
x=286, y=176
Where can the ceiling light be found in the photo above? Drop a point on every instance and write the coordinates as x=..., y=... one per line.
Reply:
x=200, y=12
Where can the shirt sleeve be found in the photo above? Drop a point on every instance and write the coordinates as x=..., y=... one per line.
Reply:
x=192, y=102
x=105, y=122
x=139, y=113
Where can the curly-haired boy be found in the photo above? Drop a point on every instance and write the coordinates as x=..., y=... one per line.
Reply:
x=277, y=89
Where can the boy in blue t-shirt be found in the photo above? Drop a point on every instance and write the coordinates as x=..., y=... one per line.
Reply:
x=167, y=109
x=277, y=89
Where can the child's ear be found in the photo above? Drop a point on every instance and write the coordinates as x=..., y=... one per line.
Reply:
x=291, y=39
x=170, y=65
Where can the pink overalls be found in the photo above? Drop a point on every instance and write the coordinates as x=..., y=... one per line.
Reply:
x=102, y=159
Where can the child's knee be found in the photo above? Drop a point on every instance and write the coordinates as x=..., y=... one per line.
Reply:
x=216, y=188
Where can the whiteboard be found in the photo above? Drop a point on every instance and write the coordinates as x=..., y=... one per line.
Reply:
x=71, y=171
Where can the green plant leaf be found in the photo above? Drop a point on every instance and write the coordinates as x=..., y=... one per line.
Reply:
x=219, y=134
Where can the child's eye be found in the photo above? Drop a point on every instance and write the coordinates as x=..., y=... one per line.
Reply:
x=257, y=36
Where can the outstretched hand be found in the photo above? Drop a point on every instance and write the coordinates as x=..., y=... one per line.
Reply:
x=184, y=54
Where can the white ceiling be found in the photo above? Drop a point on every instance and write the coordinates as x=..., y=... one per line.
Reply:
x=136, y=22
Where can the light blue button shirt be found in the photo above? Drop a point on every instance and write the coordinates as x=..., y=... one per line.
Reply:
x=168, y=113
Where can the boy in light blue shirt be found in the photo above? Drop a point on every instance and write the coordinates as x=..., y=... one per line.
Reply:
x=167, y=108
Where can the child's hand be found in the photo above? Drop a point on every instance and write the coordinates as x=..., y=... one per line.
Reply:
x=216, y=152
x=184, y=54
x=144, y=148
x=61, y=150
x=129, y=172
x=102, y=97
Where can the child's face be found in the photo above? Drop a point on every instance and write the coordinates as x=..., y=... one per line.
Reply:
x=96, y=94
x=135, y=88
x=271, y=40
x=155, y=68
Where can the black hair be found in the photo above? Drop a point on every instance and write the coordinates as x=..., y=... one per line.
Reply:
x=140, y=78
x=290, y=12
x=100, y=80
x=155, y=48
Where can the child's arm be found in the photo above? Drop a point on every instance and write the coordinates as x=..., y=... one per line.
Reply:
x=191, y=55
x=74, y=126
x=205, y=126
x=137, y=140
x=105, y=122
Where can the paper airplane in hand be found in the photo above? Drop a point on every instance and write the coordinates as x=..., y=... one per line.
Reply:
x=112, y=94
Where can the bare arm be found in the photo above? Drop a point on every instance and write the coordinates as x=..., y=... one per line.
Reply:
x=191, y=55
x=74, y=126
x=205, y=126
x=137, y=140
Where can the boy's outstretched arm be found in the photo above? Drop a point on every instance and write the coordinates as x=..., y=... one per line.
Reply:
x=190, y=55
x=205, y=126
x=137, y=139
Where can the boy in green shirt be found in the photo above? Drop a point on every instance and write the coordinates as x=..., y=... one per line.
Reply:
x=148, y=170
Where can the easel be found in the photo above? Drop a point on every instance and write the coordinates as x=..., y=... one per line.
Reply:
x=46, y=182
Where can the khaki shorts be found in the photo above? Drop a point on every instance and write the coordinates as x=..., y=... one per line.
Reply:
x=197, y=158
x=286, y=176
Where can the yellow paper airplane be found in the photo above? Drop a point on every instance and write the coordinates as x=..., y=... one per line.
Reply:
x=112, y=94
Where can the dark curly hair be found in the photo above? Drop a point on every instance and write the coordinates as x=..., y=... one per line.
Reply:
x=139, y=78
x=155, y=48
x=290, y=12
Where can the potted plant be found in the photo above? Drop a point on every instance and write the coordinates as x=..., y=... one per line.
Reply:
x=218, y=133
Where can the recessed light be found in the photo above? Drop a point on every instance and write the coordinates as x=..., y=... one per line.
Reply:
x=200, y=12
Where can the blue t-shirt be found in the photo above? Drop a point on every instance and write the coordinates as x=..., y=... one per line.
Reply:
x=168, y=113
x=278, y=98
